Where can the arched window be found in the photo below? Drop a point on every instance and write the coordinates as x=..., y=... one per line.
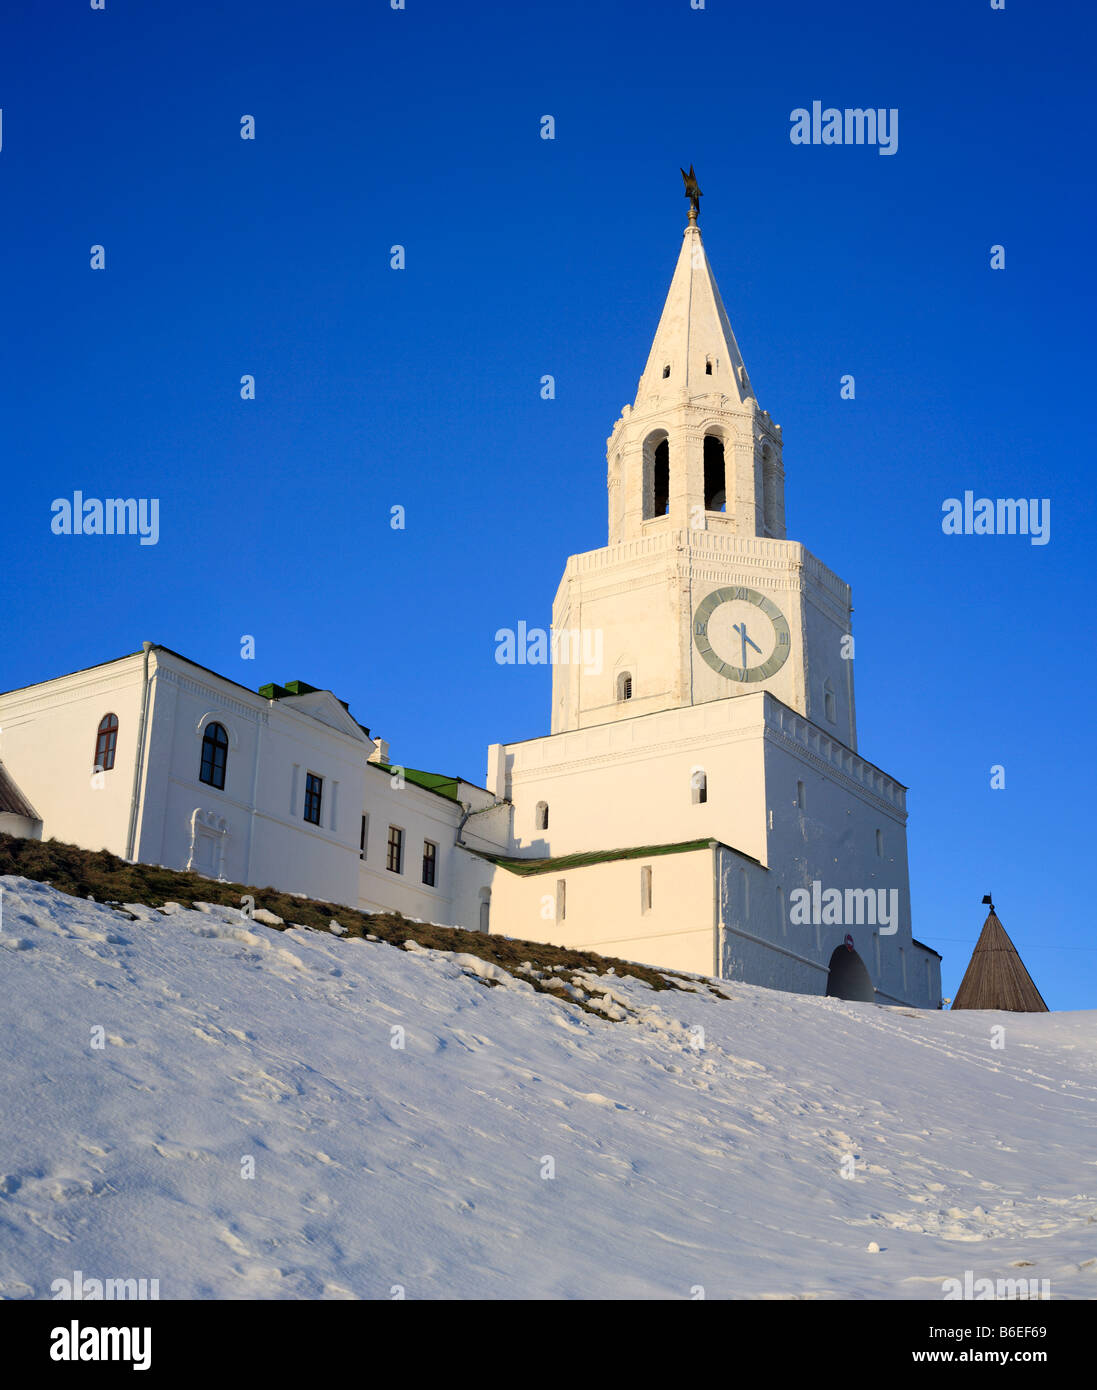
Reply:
x=698, y=786
x=541, y=817
x=715, y=484
x=801, y=797
x=830, y=706
x=656, y=475
x=708, y=366
x=215, y=756
x=624, y=686
x=661, y=479
x=105, y=742
x=879, y=844
x=666, y=371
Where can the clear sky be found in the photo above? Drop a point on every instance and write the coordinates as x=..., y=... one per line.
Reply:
x=420, y=387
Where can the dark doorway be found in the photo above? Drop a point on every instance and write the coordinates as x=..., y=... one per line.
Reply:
x=848, y=977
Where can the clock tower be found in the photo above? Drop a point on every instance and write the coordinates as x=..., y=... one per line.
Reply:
x=699, y=595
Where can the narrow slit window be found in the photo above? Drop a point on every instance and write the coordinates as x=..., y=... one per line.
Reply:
x=661, y=479
x=715, y=481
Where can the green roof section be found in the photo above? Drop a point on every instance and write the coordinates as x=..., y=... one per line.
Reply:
x=526, y=867
x=273, y=691
x=433, y=781
x=436, y=782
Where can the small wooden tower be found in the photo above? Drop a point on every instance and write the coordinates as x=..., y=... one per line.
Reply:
x=996, y=977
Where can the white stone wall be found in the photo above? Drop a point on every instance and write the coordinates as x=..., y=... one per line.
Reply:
x=604, y=910
x=47, y=742
x=253, y=831
x=628, y=784
x=422, y=815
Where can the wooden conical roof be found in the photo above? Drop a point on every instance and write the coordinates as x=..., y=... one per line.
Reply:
x=996, y=977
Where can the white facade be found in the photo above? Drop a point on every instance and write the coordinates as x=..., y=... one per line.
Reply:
x=700, y=803
x=151, y=802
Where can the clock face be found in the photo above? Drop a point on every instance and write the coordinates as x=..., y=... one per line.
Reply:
x=741, y=633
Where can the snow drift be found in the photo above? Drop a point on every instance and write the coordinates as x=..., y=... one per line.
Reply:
x=424, y=1124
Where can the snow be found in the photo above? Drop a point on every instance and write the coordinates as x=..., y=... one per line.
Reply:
x=516, y=1145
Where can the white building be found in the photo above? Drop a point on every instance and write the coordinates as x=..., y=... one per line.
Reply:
x=699, y=804
x=701, y=790
x=182, y=767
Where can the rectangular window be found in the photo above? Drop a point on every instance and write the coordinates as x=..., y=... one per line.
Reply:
x=363, y=837
x=395, y=861
x=430, y=862
x=314, y=790
x=645, y=889
x=561, y=899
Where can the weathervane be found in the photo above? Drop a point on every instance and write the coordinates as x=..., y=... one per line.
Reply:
x=693, y=193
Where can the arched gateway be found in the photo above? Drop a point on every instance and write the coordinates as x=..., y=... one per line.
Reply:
x=848, y=978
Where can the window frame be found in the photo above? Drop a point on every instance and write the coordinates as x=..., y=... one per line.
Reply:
x=314, y=797
x=430, y=861
x=210, y=741
x=106, y=743
x=395, y=843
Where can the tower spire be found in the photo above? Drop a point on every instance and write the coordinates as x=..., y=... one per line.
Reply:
x=694, y=348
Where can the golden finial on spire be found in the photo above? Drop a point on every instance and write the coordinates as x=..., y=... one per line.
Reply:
x=693, y=193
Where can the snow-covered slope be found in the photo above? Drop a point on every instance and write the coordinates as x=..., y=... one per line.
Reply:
x=679, y=1162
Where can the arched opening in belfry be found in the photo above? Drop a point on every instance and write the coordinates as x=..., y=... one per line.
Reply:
x=769, y=490
x=715, y=481
x=656, y=476
x=848, y=977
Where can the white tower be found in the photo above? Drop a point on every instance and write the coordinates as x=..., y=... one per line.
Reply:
x=698, y=595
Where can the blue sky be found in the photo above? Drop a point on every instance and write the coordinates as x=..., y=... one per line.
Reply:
x=420, y=387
